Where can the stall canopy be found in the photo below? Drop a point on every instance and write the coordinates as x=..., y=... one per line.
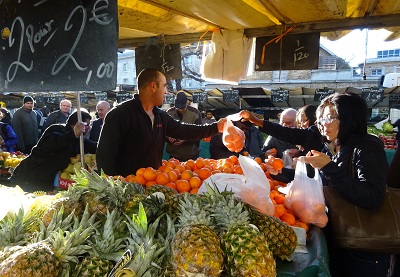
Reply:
x=142, y=22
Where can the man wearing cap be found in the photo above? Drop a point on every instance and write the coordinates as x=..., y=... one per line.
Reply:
x=25, y=126
x=183, y=150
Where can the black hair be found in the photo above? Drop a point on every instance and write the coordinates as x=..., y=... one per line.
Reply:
x=148, y=75
x=352, y=112
x=309, y=110
x=73, y=118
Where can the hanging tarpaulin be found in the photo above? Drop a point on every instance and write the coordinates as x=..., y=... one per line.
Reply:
x=227, y=57
x=48, y=47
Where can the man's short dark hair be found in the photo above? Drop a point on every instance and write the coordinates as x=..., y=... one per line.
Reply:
x=148, y=75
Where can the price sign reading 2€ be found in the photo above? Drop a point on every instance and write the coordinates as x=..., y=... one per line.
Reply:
x=51, y=47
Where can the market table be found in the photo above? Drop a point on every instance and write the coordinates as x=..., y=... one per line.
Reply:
x=314, y=263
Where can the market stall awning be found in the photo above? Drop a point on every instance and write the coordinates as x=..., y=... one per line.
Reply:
x=144, y=22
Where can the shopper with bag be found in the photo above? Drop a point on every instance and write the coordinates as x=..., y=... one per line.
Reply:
x=354, y=163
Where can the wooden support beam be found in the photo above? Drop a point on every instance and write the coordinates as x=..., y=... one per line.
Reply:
x=371, y=22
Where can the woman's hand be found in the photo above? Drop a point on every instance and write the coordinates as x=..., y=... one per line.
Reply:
x=79, y=129
x=315, y=158
x=248, y=116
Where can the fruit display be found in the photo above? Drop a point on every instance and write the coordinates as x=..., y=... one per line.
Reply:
x=9, y=161
x=386, y=134
x=155, y=217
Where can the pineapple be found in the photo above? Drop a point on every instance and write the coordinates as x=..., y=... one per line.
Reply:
x=148, y=249
x=246, y=249
x=196, y=248
x=105, y=249
x=282, y=239
x=15, y=229
x=48, y=258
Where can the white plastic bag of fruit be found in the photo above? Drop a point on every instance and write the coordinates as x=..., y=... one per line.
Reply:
x=253, y=188
x=232, y=137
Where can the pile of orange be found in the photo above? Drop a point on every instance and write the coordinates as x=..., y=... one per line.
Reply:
x=188, y=177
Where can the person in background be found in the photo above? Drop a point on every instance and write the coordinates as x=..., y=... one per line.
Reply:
x=209, y=118
x=183, y=150
x=59, y=116
x=25, y=126
x=5, y=116
x=134, y=132
x=275, y=147
x=8, y=138
x=352, y=161
x=102, y=108
x=218, y=150
x=52, y=154
x=254, y=141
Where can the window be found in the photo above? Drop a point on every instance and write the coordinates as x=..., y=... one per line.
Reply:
x=376, y=72
x=388, y=53
x=327, y=63
x=125, y=67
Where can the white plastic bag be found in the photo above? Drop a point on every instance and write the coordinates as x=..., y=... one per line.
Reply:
x=232, y=137
x=306, y=197
x=253, y=188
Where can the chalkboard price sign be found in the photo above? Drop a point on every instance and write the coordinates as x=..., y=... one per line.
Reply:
x=83, y=98
x=280, y=95
x=321, y=93
x=169, y=98
x=123, y=96
x=53, y=98
x=166, y=58
x=39, y=99
x=292, y=52
x=394, y=101
x=58, y=46
x=372, y=94
x=200, y=97
x=230, y=95
x=101, y=96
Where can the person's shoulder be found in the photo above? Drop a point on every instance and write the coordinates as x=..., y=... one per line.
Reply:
x=193, y=109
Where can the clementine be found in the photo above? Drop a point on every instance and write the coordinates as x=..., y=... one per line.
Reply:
x=195, y=182
x=183, y=185
x=186, y=175
x=150, y=174
x=162, y=178
x=204, y=173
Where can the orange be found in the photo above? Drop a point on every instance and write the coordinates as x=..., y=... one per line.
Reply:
x=150, y=174
x=180, y=167
x=194, y=191
x=227, y=170
x=150, y=183
x=171, y=185
x=162, y=168
x=167, y=169
x=215, y=171
x=140, y=179
x=237, y=169
x=131, y=178
x=195, y=182
x=289, y=219
x=234, y=159
x=199, y=162
x=301, y=224
x=280, y=210
x=186, y=175
x=245, y=153
x=190, y=163
x=172, y=176
x=204, y=173
x=183, y=185
x=278, y=164
x=140, y=171
x=279, y=199
x=162, y=178
x=170, y=164
x=258, y=160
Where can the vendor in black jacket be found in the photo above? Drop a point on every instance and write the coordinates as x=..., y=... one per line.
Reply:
x=134, y=132
x=51, y=154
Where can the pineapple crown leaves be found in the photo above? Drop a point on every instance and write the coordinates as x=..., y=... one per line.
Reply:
x=14, y=230
x=86, y=221
x=142, y=263
x=57, y=222
x=67, y=246
x=104, y=241
x=193, y=211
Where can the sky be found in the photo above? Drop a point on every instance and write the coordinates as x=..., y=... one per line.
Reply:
x=352, y=47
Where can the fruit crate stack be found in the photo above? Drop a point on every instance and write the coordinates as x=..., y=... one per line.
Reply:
x=389, y=141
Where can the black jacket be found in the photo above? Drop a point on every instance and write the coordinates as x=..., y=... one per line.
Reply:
x=128, y=141
x=51, y=154
x=96, y=129
x=366, y=189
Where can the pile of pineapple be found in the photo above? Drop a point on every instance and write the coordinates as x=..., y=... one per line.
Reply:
x=85, y=230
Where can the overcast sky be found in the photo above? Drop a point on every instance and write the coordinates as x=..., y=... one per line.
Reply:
x=352, y=46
